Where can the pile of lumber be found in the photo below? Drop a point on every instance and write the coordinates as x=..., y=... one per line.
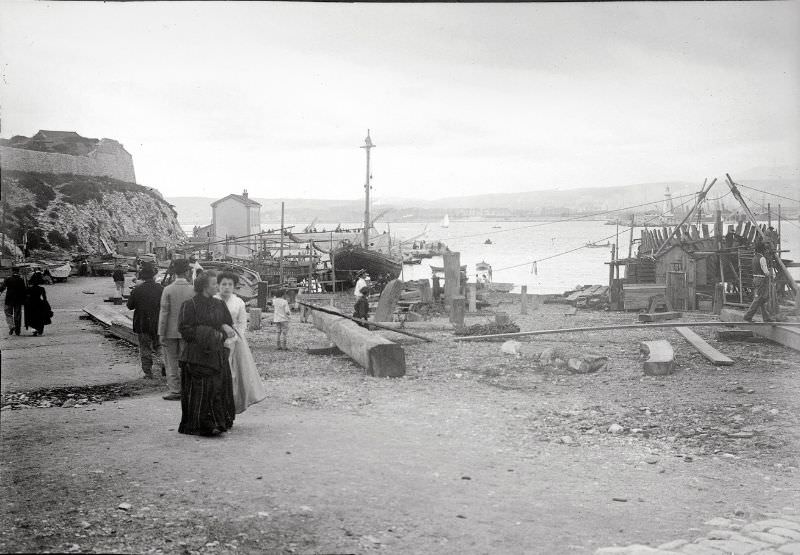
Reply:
x=588, y=296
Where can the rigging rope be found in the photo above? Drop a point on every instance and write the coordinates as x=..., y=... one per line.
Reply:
x=768, y=193
x=582, y=246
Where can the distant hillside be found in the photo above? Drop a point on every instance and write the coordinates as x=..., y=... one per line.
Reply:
x=66, y=212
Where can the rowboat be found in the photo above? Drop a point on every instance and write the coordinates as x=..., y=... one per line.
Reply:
x=499, y=287
x=440, y=269
x=597, y=245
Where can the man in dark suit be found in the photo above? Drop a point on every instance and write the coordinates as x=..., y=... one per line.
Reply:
x=14, y=286
x=145, y=301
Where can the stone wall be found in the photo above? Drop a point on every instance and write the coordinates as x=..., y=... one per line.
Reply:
x=108, y=159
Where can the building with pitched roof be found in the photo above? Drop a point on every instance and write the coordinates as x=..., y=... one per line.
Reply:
x=235, y=219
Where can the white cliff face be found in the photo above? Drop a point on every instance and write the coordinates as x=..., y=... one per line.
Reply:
x=72, y=212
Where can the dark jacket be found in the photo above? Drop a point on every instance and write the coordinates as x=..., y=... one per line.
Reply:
x=145, y=301
x=118, y=275
x=200, y=325
x=15, y=289
x=37, y=310
x=361, y=308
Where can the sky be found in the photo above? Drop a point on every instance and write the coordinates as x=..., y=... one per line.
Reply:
x=212, y=98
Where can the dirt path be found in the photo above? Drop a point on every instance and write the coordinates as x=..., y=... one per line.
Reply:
x=466, y=454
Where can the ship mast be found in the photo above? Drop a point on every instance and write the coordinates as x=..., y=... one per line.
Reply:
x=367, y=146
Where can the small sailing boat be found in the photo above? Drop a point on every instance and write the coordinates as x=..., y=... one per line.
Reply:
x=487, y=242
x=598, y=245
x=446, y=221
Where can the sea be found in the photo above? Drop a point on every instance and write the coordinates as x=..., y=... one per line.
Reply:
x=546, y=256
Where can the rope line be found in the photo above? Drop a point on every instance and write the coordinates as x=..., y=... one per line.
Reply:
x=768, y=193
x=579, y=248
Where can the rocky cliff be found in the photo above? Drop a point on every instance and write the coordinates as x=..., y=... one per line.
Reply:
x=67, y=212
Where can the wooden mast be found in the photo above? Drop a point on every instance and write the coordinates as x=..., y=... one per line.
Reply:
x=367, y=146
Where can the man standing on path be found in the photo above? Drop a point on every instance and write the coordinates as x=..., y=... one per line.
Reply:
x=169, y=337
x=145, y=302
x=119, y=280
x=762, y=278
x=15, y=289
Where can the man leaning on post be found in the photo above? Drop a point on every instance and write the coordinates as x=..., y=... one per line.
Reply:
x=170, y=338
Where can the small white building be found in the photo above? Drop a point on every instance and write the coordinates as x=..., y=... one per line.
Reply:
x=235, y=220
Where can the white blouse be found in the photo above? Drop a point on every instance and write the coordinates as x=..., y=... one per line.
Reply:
x=238, y=313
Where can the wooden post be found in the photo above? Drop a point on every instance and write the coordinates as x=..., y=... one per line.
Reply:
x=425, y=293
x=254, y=320
x=611, y=268
x=523, y=309
x=457, y=311
x=630, y=239
x=719, y=298
x=452, y=276
x=310, y=274
x=333, y=264
x=388, y=301
x=437, y=289
x=739, y=274
x=280, y=259
x=263, y=295
x=473, y=297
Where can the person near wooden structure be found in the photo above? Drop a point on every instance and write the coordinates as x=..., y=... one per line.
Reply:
x=207, y=404
x=762, y=280
x=119, y=280
x=281, y=312
x=361, y=308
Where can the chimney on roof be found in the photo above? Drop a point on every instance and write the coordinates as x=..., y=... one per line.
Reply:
x=244, y=193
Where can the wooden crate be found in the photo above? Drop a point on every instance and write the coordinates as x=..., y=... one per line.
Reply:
x=636, y=296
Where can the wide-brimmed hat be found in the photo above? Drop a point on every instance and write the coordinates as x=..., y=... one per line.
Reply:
x=180, y=266
x=147, y=272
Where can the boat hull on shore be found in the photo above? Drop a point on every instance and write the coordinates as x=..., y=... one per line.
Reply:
x=350, y=258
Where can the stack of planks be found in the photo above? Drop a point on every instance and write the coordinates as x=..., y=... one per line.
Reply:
x=588, y=295
x=636, y=296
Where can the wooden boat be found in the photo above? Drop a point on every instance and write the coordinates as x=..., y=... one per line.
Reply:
x=597, y=245
x=499, y=287
x=440, y=269
x=59, y=270
x=349, y=258
x=411, y=260
x=487, y=242
x=248, y=278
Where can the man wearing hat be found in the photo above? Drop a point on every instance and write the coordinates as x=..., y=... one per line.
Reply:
x=762, y=281
x=169, y=337
x=145, y=302
x=119, y=280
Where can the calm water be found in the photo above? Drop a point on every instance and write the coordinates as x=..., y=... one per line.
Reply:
x=519, y=243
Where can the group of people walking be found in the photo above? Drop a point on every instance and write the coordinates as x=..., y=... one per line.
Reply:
x=199, y=325
x=30, y=298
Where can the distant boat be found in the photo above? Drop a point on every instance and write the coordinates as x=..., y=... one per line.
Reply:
x=598, y=245
x=446, y=221
x=487, y=242
x=440, y=269
x=496, y=227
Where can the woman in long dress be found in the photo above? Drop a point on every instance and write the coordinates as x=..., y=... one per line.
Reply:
x=37, y=309
x=207, y=406
x=247, y=386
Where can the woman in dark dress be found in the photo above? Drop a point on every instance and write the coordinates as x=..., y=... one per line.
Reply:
x=37, y=309
x=207, y=405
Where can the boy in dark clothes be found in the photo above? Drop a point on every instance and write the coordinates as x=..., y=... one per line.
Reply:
x=361, y=308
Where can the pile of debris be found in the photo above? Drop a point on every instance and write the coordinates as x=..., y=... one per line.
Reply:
x=490, y=328
x=594, y=297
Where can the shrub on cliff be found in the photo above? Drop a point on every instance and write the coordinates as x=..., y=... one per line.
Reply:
x=41, y=190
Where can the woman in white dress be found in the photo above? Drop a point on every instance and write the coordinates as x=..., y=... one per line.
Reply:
x=247, y=385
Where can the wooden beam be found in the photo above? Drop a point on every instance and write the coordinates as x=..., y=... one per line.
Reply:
x=784, y=333
x=660, y=357
x=379, y=356
x=523, y=309
x=388, y=301
x=702, y=347
x=793, y=326
x=659, y=316
x=457, y=311
x=116, y=323
x=734, y=334
x=452, y=276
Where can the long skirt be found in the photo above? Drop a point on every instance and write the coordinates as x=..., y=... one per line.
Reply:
x=247, y=385
x=206, y=401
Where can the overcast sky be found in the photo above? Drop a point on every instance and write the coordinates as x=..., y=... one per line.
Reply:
x=461, y=99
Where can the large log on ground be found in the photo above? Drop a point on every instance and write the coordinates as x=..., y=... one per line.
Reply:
x=388, y=301
x=786, y=336
x=420, y=326
x=714, y=356
x=659, y=316
x=661, y=358
x=379, y=356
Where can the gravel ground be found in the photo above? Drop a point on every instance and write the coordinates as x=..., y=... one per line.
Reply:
x=472, y=451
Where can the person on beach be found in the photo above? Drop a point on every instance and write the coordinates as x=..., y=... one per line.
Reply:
x=38, y=313
x=119, y=280
x=361, y=308
x=207, y=404
x=145, y=301
x=280, y=316
x=14, y=286
x=173, y=297
x=762, y=279
x=247, y=386
x=361, y=283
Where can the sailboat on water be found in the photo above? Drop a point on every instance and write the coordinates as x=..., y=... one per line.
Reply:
x=446, y=221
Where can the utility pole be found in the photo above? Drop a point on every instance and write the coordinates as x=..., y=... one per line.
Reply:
x=280, y=260
x=367, y=146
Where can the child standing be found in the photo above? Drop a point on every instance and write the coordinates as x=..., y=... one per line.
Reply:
x=361, y=308
x=280, y=316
